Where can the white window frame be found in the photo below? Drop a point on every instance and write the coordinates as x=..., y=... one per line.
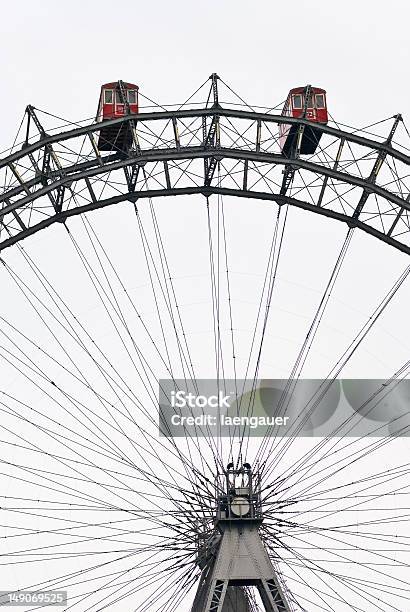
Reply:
x=112, y=93
x=134, y=91
x=324, y=101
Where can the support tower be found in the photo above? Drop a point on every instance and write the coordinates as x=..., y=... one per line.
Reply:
x=234, y=556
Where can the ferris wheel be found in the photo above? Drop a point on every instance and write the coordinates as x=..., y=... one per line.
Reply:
x=180, y=430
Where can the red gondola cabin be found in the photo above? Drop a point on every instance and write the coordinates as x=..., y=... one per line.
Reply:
x=116, y=100
x=316, y=112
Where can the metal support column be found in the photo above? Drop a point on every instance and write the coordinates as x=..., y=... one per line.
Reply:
x=234, y=556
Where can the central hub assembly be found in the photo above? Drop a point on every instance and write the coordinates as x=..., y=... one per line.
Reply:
x=238, y=496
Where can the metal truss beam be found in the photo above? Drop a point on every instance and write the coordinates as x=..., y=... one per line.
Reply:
x=207, y=112
x=158, y=165
x=190, y=153
x=382, y=154
x=154, y=193
x=211, y=135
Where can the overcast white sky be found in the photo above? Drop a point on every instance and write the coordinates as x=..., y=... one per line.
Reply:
x=55, y=55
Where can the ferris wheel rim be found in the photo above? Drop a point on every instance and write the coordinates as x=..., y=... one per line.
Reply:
x=56, y=181
x=206, y=192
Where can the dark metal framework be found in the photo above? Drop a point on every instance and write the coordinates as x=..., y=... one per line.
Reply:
x=215, y=149
x=362, y=181
x=234, y=557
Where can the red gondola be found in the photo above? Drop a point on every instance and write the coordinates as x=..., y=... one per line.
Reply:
x=311, y=103
x=116, y=100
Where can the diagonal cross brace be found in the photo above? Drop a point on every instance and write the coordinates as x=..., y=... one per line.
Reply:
x=48, y=155
x=211, y=136
x=381, y=156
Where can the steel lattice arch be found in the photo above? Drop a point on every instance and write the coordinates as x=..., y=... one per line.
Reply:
x=214, y=149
